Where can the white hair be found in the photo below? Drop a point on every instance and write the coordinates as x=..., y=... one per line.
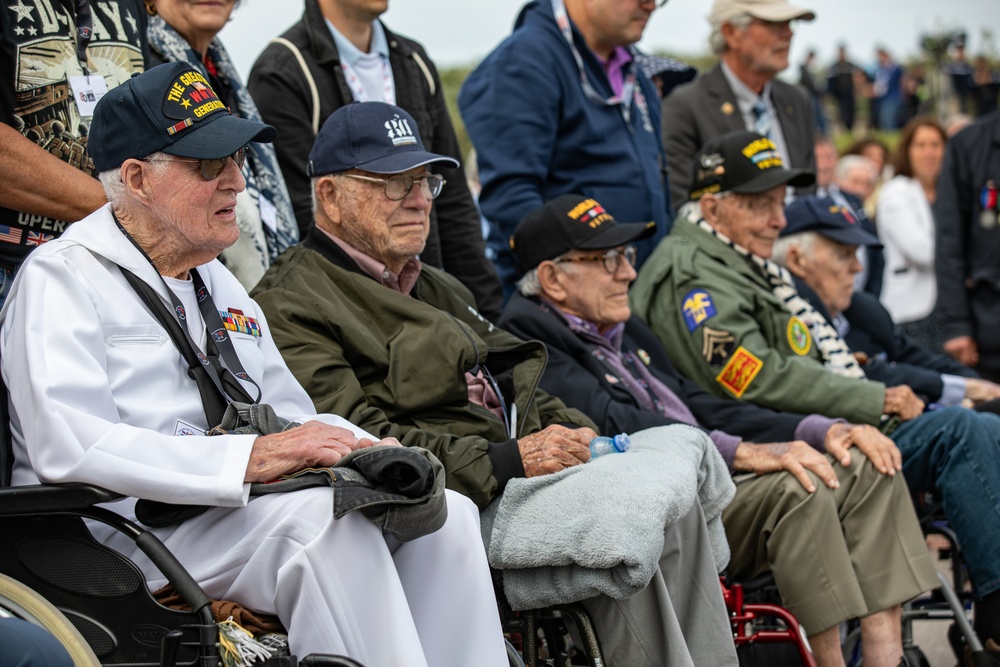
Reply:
x=530, y=285
x=717, y=41
x=111, y=179
x=849, y=162
x=803, y=241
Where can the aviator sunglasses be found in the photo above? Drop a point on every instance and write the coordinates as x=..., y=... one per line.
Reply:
x=210, y=169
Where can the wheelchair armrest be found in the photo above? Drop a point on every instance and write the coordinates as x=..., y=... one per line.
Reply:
x=52, y=498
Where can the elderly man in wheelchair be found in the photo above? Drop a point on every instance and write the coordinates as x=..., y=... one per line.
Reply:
x=125, y=344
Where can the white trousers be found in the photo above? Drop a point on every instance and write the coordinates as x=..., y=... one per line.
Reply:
x=343, y=587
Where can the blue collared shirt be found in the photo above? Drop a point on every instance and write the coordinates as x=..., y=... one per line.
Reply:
x=367, y=66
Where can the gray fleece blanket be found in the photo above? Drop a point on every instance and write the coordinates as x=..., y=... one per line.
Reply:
x=597, y=529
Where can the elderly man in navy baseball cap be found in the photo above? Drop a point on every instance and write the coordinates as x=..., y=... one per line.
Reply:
x=819, y=245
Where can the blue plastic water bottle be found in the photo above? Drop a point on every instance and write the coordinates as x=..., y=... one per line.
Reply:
x=602, y=445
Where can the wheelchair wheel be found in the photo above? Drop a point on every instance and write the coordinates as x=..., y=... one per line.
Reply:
x=25, y=603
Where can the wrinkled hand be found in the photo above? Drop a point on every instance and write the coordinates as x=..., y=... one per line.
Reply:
x=313, y=444
x=903, y=402
x=879, y=449
x=554, y=448
x=797, y=457
x=977, y=390
x=391, y=442
x=963, y=349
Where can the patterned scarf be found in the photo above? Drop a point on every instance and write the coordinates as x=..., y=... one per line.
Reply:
x=261, y=170
x=836, y=355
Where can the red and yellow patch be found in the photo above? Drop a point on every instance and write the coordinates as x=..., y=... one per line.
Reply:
x=742, y=368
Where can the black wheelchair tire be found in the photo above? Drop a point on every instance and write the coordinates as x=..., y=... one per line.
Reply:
x=23, y=602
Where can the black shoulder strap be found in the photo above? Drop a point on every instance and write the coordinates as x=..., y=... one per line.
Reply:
x=212, y=396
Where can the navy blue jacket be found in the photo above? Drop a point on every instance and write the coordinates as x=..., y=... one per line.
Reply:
x=580, y=379
x=537, y=136
x=893, y=358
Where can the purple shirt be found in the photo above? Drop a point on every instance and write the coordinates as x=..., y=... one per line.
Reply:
x=614, y=67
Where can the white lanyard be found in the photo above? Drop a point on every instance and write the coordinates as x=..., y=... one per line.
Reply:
x=629, y=89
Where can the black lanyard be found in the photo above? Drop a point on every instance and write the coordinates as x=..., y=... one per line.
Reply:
x=216, y=378
x=84, y=32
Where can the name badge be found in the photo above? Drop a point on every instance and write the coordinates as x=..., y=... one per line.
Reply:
x=186, y=428
x=87, y=91
x=268, y=213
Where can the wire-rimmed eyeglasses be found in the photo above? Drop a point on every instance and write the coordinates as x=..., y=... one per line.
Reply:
x=612, y=259
x=398, y=186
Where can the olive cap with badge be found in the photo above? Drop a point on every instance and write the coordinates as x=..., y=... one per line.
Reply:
x=743, y=162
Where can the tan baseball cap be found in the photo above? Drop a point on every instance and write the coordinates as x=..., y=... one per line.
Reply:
x=765, y=10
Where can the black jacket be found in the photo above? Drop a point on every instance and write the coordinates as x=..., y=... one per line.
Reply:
x=893, y=357
x=283, y=95
x=580, y=379
x=968, y=273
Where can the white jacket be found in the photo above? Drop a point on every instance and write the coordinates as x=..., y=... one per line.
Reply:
x=98, y=389
x=906, y=229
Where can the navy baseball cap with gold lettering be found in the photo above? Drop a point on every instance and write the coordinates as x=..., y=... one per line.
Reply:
x=571, y=222
x=743, y=162
x=170, y=108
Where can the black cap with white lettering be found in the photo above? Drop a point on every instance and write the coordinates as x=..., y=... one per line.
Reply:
x=170, y=108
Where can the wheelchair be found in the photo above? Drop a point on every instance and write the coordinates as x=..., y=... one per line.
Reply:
x=765, y=634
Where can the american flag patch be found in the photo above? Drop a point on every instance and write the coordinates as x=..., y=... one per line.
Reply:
x=38, y=238
x=10, y=234
x=235, y=320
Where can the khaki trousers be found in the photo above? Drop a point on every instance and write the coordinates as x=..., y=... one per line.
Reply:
x=835, y=554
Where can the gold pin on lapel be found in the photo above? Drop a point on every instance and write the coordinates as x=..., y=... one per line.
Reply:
x=727, y=108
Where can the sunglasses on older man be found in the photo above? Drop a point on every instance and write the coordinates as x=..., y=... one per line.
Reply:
x=210, y=169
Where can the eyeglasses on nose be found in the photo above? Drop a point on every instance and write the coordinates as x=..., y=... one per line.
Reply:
x=612, y=259
x=210, y=169
x=398, y=186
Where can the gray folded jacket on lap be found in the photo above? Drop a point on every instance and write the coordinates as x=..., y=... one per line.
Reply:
x=597, y=529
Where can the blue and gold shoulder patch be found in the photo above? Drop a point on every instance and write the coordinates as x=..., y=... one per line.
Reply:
x=697, y=307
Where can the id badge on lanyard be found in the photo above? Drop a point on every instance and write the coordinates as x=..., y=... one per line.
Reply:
x=87, y=89
x=630, y=90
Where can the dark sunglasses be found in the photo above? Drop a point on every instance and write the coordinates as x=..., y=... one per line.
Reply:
x=210, y=169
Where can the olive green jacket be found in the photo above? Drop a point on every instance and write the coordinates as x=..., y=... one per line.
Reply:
x=727, y=331
x=395, y=365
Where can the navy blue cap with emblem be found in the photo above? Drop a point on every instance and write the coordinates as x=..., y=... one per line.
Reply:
x=373, y=136
x=824, y=216
x=170, y=108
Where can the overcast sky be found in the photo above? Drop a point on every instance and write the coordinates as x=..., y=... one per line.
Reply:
x=457, y=32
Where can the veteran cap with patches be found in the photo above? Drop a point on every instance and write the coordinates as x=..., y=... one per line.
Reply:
x=743, y=162
x=373, y=136
x=571, y=222
x=170, y=108
x=824, y=216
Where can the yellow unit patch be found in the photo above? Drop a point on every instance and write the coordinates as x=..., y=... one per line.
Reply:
x=742, y=368
x=798, y=337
